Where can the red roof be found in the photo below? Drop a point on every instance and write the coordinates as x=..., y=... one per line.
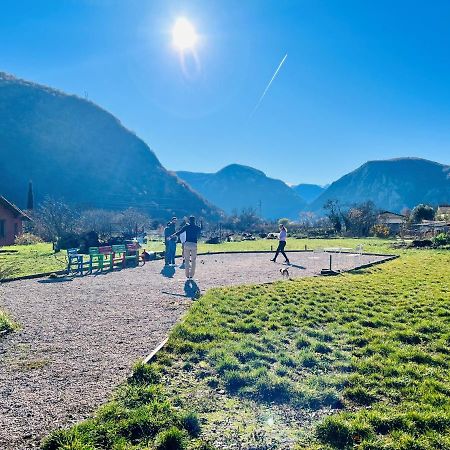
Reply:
x=17, y=211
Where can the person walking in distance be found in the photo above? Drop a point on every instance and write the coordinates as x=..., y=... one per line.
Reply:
x=281, y=244
x=192, y=231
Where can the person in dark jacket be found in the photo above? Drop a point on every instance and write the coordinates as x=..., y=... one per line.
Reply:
x=171, y=243
x=193, y=232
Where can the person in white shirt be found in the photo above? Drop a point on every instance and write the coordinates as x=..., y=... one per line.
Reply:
x=281, y=244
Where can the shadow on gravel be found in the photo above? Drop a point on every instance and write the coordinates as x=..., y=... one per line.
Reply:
x=174, y=294
x=191, y=289
x=168, y=271
x=297, y=266
x=55, y=280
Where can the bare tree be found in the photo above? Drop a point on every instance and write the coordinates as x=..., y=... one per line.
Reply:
x=54, y=218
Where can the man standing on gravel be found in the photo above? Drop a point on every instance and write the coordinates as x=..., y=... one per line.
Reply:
x=190, y=246
x=171, y=244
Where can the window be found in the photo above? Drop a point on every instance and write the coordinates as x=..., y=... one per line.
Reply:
x=2, y=228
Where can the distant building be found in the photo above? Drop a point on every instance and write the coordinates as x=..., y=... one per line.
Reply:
x=392, y=220
x=11, y=218
x=443, y=212
x=434, y=226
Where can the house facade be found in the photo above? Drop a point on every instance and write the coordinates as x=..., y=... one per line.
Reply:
x=443, y=212
x=392, y=220
x=11, y=218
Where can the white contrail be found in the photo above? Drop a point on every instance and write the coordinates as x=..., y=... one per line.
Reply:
x=268, y=86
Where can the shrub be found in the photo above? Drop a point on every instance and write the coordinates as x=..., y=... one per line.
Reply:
x=27, y=239
x=441, y=239
x=380, y=230
x=171, y=439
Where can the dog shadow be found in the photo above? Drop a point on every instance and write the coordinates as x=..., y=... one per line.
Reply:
x=168, y=271
x=296, y=266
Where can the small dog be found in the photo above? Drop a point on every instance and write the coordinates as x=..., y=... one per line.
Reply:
x=284, y=272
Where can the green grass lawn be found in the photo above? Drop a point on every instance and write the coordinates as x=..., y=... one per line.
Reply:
x=373, y=245
x=356, y=361
x=20, y=260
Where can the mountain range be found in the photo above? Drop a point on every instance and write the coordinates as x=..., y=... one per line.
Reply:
x=391, y=185
x=236, y=187
x=72, y=149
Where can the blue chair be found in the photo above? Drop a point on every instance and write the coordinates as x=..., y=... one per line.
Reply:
x=75, y=261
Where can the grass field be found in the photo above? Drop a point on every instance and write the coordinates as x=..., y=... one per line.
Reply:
x=356, y=361
x=20, y=260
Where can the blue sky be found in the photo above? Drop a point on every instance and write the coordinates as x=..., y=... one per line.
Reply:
x=362, y=80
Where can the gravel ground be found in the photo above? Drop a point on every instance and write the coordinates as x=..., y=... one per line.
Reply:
x=80, y=337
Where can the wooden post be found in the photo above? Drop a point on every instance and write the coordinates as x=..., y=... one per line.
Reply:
x=330, y=261
x=305, y=247
x=271, y=248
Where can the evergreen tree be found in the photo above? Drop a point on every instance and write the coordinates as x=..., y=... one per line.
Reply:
x=30, y=199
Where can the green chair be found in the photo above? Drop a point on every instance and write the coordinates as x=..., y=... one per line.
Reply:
x=108, y=255
x=119, y=254
x=95, y=257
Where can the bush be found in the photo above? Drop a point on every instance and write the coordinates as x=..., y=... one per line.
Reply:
x=380, y=230
x=27, y=239
x=171, y=439
x=441, y=239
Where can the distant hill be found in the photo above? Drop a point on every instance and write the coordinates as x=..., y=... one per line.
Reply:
x=308, y=192
x=236, y=187
x=391, y=184
x=72, y=148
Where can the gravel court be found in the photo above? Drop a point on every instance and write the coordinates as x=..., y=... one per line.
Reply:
x=79, y=338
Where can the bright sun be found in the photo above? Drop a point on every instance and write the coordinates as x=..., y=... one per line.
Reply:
x=184, y=36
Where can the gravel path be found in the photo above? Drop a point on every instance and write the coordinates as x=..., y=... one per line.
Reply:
x=80, y=337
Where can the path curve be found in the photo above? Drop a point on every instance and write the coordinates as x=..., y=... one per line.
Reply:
x=79, y=338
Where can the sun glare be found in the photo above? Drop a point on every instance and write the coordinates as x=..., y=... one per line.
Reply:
x=184, y=36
